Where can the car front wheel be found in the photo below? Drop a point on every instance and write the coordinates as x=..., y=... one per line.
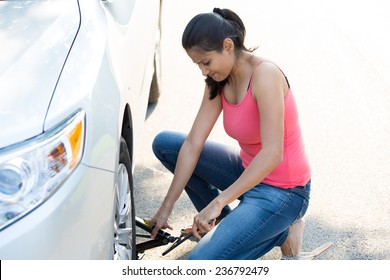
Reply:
x=124, y=220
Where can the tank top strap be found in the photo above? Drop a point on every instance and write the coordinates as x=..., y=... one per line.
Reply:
x=257, y=65
x=254, y=69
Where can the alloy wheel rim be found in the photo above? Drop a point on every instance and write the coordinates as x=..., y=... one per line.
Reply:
x=122, y=221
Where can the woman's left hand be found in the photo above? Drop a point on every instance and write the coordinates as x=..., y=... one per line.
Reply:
x=205, y=220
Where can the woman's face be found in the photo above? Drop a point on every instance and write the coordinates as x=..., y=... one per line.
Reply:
x=216, y=65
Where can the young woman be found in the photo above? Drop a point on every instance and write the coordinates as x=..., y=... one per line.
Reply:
x=270, y=175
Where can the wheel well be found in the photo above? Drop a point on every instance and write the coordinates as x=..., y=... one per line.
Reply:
x=127, y=130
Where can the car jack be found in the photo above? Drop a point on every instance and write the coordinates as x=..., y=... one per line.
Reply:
x=162, y=238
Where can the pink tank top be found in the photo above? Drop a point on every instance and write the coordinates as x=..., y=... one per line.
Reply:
x=242, y=122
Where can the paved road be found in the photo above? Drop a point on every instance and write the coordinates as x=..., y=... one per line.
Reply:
x=337, y=60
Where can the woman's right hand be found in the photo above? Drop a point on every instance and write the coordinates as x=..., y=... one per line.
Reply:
x=159, y=221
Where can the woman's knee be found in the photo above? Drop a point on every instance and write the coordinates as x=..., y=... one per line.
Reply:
x=158, y=142
x=166, y=146
x=166, y=140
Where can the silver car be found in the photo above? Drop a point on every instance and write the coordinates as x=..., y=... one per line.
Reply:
x=75, y=80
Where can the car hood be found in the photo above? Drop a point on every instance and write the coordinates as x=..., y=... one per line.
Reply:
x=36, y=37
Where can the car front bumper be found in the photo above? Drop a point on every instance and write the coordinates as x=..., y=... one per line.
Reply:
x=75, y=223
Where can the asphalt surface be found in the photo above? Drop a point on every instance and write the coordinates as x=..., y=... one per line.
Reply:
x=337, y=60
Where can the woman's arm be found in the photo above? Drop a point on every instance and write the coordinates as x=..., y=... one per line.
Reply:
x=205, y=120
x=268, y=89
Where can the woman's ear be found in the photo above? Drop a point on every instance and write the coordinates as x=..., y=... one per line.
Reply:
x=228, y=44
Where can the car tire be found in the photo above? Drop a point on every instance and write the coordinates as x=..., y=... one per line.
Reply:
x=124, y=219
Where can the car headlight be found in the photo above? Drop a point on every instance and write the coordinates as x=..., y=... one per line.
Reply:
x=33, y=170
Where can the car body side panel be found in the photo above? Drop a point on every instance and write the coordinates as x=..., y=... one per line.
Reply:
x=132, y=30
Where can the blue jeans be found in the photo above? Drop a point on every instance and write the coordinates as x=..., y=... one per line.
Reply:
x=260, y=221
